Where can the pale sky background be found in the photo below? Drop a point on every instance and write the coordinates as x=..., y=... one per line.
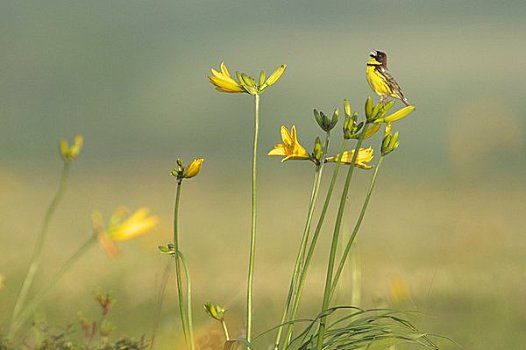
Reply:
x=131, y=76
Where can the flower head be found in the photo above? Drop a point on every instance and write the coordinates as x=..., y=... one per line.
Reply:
x=290, y=148
x=122, y=227
x=189, y=171
x=68, y=152
x=224, y=82
x=365, y=155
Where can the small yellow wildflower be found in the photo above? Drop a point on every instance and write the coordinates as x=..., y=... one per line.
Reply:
x=365, y=155
x=71, y=152
x=182, y=172
x=193, y=168
x=121, y=227
x=224, y=82
x=398, y=290
x=290, y=148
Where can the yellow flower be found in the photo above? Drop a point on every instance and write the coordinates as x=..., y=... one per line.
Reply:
x=193, y=168
x=121, y=227
x=224, y=82
x=365, y=155
x=71, y=152
x=399, y=290
x=290, y=148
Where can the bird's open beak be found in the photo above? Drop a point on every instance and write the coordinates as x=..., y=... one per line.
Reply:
x=373, y=53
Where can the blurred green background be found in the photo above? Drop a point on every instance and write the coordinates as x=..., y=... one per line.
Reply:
x=131, y=76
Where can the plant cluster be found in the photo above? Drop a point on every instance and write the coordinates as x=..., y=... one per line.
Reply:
x=335, y=326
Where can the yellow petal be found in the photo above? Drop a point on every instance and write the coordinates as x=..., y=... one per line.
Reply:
x=108, y=246
x=226, y=85
x=193, y=169
x=285, y=135
x=224, y=70
x=217, y=74
x=278, y=150
x=137, y=224
x=293, y=135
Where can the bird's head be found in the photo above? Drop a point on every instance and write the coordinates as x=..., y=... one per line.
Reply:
x=377, y=58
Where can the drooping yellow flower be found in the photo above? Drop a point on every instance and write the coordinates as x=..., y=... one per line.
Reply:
x=365, y=155
x=193, y=168
x=121, y=227
x=290, y=148
x=68, y=152
x=224, y=82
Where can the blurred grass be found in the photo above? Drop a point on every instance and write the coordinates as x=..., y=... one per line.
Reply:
x=458, y=249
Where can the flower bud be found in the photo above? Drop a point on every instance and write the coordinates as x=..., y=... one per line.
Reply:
x=247, y=82
x=326, y=123
x=347, y=107
x=274, y=77
x=71, y=152
x=350, y=127
x=168, y=249
x=318, y=151
x=399, y=114
x=261, y=78
x=389, y=142
x=215, y=311
x=193, y=169
x=369, y=108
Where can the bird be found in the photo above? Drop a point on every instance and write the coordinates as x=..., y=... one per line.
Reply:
x=380, y=79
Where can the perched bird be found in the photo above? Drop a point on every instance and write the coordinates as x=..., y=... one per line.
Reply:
x=380, y=79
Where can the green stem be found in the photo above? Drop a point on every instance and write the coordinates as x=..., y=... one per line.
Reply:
x=314, y=241
x=225, y=330
x=294, y=290
x=336, y=233
x=250, y=280
x=188, y=300
x=355, y=230
x=39, y=297
x=39, y=245
x=159, y=307
x=178, y=274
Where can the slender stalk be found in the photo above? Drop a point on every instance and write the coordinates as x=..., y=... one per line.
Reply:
x=355, y=230
x=336, y=233
x=39, y=244
x=188, y=300
x=294, y=290
x=225, y=330
x=39, y=297
x=300, y=257
x=250, y=280
x=159, y=307
x=314, y=241
x=178, y=274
